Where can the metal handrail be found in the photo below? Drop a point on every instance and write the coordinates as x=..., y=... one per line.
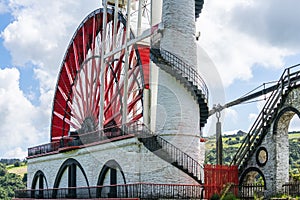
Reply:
x=44, y=148
x=75, y=140
x=135, y=190
x=179, y=158
x=182, y=159
x=289, y=77
x=185, y=70
x=175, y=155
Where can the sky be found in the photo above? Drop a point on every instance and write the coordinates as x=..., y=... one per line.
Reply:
x=248, y=42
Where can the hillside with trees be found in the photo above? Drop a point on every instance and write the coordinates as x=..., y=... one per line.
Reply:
x=9, y=182
x=231, y=143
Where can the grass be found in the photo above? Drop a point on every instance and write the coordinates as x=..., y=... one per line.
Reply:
x=211, y=142
x=294, y=136
x=17, y=170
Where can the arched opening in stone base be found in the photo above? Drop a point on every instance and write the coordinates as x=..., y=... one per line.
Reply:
x=287, y=139
x=70, y=176
x=252, y=183
x=294, y=149
x=111, y=175
x=39, y=183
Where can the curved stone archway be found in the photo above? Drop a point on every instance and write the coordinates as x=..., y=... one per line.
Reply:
x=271, y=155
x=68, y=177
x=110, y=175
x=39, y=179
x=253, y=175
x=39, y=183
x=280, y=134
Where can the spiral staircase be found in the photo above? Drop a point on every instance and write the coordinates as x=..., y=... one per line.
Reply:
x=187, y=76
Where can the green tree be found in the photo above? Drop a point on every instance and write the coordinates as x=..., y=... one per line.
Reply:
x=3, y=193
x=17, y=164
x=24, y=178
x=3, y=170
x=9, y=183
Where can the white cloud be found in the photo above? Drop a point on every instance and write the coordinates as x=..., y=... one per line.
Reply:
x=233, y=132
x=252, y=117
x=20, y=120
x=16, y=153
x=3, y=6
x=39, y=36
x=234, y=50
x=41, y=32
x=231, y=115
x=294, y=124
x=276, y=22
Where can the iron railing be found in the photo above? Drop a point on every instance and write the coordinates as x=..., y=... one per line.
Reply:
x=135, y=190
x=76, y=140
x=172, y=154
x=182, y=159
x=185, y=70
x=290, y=77
x=244, y=191
x=248, y=191
x=291, y=189
x=187, y=75
x=44, y=148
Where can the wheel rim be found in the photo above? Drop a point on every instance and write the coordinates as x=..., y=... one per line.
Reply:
x=77, y=96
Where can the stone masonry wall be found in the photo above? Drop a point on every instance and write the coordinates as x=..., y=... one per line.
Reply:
x=177, y=118
x=276, y=169
x=137, y=163
x=178, y=17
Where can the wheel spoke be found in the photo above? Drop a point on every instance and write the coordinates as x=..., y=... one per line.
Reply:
x=66, y=120
x=77, y=96
x=68, y=73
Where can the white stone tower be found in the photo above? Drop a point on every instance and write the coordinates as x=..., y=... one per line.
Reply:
x=175, y=112
x=178, y=17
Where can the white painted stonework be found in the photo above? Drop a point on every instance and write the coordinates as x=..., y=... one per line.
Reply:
x=137, y=163
x=276, y=169
x=178, y=17
x=175, y=113
x=177, y=118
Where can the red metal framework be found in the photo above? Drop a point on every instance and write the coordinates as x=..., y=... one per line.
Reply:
x=217, y=176
x=77, y=95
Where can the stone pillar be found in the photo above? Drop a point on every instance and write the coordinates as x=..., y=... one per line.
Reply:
x=178, y=17
x=282, y=151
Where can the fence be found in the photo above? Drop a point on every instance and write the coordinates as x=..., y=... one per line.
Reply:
x=137, y=190
x=75, y=139
x=248, y=191
x=217, y=176
x=292, y=189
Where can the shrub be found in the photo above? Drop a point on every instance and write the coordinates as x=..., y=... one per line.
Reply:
x=215, y=197
x=17, y=164
x=229, y=196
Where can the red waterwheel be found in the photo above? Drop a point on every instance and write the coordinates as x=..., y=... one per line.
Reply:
x=77, y=95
